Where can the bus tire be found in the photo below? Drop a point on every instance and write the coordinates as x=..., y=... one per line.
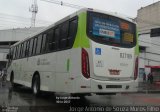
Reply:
x=36, y=85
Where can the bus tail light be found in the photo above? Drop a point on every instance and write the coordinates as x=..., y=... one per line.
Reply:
x=85, y=63
x=136, y=69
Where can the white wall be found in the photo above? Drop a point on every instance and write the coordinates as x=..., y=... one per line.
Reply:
x=144, y=40
x=149, y=16
x=17, y=34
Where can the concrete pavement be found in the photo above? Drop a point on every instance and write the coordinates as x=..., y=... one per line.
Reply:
x=146, y=87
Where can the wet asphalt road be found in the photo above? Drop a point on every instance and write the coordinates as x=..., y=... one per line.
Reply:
x=21, y=99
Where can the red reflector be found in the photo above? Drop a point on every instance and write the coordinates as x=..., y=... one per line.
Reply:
x=136, y=69
x=85, y=64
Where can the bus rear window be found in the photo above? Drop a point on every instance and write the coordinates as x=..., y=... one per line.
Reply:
x=110, y=30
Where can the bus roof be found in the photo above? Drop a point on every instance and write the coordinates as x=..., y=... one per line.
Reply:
x=72, y=15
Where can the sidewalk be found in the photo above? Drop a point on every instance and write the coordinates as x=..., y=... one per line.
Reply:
x=146, y=87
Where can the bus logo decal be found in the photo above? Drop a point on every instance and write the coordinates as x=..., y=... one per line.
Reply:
x=125, y=55
x=98, y=51
x=43, y=62
x=114, y=72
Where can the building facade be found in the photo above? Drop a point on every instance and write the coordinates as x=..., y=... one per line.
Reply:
x=148, y=20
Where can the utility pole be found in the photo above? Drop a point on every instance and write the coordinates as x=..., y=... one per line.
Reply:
x=34, y=10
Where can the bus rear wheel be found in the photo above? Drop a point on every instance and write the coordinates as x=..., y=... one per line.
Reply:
x=36, y=85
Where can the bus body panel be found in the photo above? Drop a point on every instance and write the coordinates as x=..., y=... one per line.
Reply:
x=74, y=69
x=113, y=86
x=46, y=67
x=62, y=71
x=83, y=85
x=112, y=62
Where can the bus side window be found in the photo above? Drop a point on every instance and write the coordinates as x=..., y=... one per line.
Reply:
x=34, y=46
x=43, y=49
x=11, y=53
x=57, y=36
x=9, y=56
x=24, y=48
x=21, y=52
x=49, y=40
x=73, y=24
x=27, y=49
x=30, y=47
x=63, y=35
x=18, y=52
x=39, y=44
x=53, y=42
x=14, y=53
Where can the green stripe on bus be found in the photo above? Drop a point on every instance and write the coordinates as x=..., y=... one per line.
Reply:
x=81, y=39
x=137, y=45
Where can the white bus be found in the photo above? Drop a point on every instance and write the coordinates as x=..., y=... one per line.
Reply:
x=87, y=52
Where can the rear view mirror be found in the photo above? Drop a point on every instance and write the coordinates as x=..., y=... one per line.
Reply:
x=9, y=56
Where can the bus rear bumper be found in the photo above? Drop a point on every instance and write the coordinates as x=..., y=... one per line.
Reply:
x=98, y=86
x=82, y=85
